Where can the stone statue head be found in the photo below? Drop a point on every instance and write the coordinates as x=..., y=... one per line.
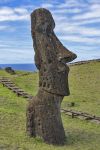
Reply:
x=50, y=55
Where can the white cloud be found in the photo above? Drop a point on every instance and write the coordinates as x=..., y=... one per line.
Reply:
x=66, y=28
x=88, y=15
x=15, y=56
x=93, y=12
x=3, y=28
x=13, y=14
x=21, y=10
x=71, y=28
x=87, y=21
x=72, y=3
x=73, y=19
x=94, y=1
x=6, y=11
x=62, y=11
x=79, y=39
x=5, y=1
x=47, y=5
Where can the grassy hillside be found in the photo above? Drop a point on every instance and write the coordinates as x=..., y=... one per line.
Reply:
x=81, y=135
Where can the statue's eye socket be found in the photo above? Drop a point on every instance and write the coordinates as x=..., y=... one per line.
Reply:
x=39, y=28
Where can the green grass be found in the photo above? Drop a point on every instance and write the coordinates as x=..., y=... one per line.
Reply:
x=81, y=134
x=84, y=83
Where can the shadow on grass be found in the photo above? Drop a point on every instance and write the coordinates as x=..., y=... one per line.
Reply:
x=81, y=136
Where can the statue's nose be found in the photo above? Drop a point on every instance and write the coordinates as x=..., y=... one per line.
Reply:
x=65, y=56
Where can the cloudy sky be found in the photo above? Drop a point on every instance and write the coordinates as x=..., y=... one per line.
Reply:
x=77, y=26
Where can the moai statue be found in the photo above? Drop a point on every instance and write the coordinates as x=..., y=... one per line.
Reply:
x=43, y=112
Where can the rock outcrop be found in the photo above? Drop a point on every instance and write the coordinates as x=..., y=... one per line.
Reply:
x=10, y=70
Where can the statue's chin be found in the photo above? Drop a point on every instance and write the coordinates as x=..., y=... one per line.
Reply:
x=63, y=90
x=55, y=83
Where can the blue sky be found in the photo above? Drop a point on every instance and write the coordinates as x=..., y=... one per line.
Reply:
x=77, y=26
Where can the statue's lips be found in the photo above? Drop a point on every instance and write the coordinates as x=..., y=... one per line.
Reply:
x=63, y=67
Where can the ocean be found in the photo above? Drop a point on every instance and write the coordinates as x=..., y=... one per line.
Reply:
x=32, y=67
x=23, y=67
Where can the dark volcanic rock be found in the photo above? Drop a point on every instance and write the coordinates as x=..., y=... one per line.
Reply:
x=10, y=70
x=43, y=112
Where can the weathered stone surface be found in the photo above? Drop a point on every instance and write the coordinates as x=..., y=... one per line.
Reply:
x=43, y=112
